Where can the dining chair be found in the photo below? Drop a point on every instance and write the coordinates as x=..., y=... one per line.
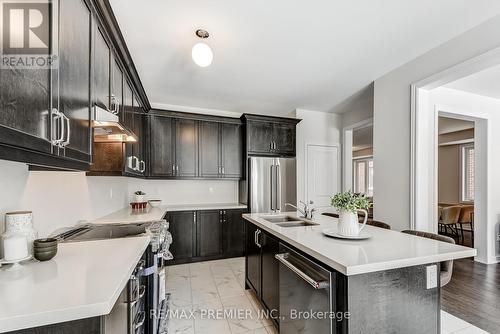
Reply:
x=329, y=214
x=466, y=217
x=446, y=267
x=449, y=220
x=377, y=223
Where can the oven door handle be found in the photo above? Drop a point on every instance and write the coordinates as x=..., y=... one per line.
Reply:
x=318, y=285
x=140, y=319
x=142, y=292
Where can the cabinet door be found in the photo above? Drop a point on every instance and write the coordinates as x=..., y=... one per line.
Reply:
x=186, y=148
x=182, y=226
x=260, y=136
x=231, y=148
x=284, y=137
x=270, y=272
x=74, y=76
x=234, y=233
x=209, y=233
x=253, y=261
x=101, y=73
x=117, y=89
x=210, y=165
x=25, y=109
x=161, y=146
x=128, y=121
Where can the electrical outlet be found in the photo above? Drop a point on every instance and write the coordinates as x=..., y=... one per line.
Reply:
x=432, y=279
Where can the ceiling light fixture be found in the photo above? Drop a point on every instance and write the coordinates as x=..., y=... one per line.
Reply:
x=202, y=54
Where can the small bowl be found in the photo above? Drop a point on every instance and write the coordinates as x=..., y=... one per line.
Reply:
x=45, y=249
x=45, y=255
x=45, y=242
x=154, y=202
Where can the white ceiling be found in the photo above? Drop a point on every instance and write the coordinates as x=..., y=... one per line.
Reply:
x=272, y=57
x=485, y=83
x=447, y=125
x=362, y=138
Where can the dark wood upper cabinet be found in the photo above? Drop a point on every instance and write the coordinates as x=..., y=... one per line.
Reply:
x=231, y=150
x=117, y=89
x=101, y=73
x=74, y=77
x=209, y=233
x=161, y=146
x=233, y=232
x=210, y=164
x=186, y=148
x=270, y=136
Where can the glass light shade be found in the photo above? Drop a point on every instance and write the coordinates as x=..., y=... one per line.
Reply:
x=202, y=54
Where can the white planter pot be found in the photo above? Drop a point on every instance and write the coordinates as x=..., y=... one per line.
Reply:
x=139, y=198
x=349, y=225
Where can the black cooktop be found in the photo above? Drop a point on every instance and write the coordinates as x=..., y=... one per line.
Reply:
x=97, y=232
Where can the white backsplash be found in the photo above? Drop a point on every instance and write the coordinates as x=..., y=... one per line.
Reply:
x=60, y=199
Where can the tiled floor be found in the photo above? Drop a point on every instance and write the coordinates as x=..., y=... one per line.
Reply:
x=210, y=298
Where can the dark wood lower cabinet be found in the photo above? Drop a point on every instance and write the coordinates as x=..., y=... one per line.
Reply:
x=270, y=272
x=233, y=233
x=183, y=229
x=209, y=233
x=87, y=326
x=262, y=269
x=206, y=235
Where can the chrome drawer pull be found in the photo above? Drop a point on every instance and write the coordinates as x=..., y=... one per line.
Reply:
x=318, y=285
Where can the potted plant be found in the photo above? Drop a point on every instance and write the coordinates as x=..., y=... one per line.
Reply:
x=139, y=196
x=348, y=204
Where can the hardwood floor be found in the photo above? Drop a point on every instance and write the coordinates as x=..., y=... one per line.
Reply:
x=473, y=294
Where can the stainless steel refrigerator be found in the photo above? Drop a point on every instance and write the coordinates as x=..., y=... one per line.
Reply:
x=272, y=182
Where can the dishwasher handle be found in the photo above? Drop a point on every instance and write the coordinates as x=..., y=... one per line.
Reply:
x=318, y=285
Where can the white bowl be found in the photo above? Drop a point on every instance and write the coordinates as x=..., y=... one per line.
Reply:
x=154, y=202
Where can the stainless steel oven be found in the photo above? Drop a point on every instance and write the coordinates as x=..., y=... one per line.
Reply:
x=306, y=295
x=142, y=302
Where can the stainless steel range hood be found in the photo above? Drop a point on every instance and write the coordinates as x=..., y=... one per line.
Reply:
x=107, y=127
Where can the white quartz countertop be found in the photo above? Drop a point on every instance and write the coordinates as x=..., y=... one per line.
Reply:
x=83, y=280
x=127, y=215
x=386, y=249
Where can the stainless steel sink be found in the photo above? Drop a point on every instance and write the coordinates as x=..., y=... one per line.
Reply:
x=288, y=221
x=282, y=219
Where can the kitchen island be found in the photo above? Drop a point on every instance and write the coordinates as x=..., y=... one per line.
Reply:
x=388, y=283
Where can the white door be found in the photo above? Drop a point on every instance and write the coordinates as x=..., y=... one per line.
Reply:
x=322, y=174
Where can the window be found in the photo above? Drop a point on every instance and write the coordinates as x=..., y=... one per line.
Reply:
x=467, y=171
x=363, y=176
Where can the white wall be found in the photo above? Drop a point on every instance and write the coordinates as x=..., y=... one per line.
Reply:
x=392, y=118
x=357, y=108
x=60, y=199
x=315, y=128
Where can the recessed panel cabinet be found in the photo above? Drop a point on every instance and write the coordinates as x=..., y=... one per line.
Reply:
x=206, y=234
x=190, y=148
x=270, y=136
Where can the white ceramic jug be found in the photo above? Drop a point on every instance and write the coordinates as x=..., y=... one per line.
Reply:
x=349, y=225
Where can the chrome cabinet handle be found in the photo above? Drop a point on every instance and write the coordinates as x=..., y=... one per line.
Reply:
x=194, y=217
x=141, y=317
x=223, y=170
x=271, y=145
x=173, y=168
x=143, y=168
x=67, y=130
x=278, y=188
x=177, y=169
x=272, y=186
x=59, y=120
x=257, y=234
x=318, y=285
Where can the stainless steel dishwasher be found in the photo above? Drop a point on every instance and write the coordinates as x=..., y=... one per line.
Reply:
x=306, y=295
